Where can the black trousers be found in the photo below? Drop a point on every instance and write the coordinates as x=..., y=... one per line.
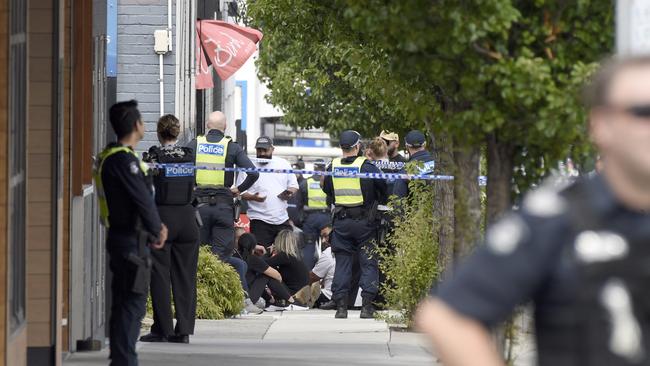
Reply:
x=353, y=239
x=257, y=286
x=311, y=228
x=218, y=228
x=265, y=233
x=174, y=271
x=127, y=307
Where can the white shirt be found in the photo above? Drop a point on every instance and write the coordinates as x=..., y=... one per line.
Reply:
x=324, y=269
x=273, y=210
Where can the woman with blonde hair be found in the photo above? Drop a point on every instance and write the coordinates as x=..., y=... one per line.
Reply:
x=287, y=259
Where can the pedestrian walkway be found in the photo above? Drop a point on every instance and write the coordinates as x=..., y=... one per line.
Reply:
x=311, y=337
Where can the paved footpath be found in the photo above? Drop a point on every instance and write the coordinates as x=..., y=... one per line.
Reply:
x=311, y=337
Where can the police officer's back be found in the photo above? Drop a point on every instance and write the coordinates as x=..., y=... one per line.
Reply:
x=355, y=201
x=581, y=255
x=416, y=146
x=127, y=208
x=213, y=187
x=175, y=265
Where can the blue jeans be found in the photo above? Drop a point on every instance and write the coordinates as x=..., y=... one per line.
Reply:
x=241, y=267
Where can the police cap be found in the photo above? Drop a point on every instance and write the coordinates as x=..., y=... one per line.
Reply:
x=415, y=138
x=319, y=165
x=349, y=139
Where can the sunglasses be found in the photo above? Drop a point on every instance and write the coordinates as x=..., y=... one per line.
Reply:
x=639, y=111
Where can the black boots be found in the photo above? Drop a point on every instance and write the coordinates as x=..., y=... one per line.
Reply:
x=367, y=309
x=341, y=309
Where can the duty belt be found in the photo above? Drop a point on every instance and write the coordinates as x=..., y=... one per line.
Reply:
x=214, y=199
x=321, y=210
x=350, y=212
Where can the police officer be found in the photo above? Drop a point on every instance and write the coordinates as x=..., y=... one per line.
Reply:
x=355, y=200
x=127, y=208
x=213, y=187
x=295, y=204
x=416, y=146
x=580, y=254
x=175, y=265
x=317, y=213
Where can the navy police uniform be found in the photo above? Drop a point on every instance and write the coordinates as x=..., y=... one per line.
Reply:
x=355, y=200
x=425, y=160
x=175, y=265
x=128, y=209
x=216, y=202
x=582, y=258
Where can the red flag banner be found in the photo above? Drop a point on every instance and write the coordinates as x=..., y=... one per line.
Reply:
x=224, y=46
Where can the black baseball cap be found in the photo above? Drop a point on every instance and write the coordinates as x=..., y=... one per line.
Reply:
x=349, y=139
x=415, y=138
x=319, y=165
x=263, y=142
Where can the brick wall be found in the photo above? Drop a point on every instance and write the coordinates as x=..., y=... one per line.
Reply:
x=138, y=65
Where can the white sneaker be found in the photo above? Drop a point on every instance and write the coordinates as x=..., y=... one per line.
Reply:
x=275, y=308
x=293, y=307
x=261, y=303
x=250, y=308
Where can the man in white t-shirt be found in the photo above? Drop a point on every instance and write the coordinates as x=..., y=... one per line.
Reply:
x=267, y=198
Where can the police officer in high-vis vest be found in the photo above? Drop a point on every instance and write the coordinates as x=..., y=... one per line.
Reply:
x=317, y=213
x=214, y=188
x=355, y=200
x=128, y=210
x=175, y=265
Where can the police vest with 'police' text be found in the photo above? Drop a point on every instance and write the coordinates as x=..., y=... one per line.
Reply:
x=347, y=191
x=174, y=182
x=211, y=155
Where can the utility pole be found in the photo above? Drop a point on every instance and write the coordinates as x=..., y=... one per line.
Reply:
x=632, y=27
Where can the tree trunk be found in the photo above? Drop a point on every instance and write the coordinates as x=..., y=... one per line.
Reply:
x=443, y=205
x=500, y=165
x=467, y=202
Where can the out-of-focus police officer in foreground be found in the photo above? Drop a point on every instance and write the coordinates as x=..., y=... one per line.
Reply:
x=127, y=208
x=175, y=265
x=581, y=255
x=355, y=200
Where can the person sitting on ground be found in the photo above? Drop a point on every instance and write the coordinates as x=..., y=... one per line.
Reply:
x=259, y=274
x=249, y=306
x=322, y=275
x=287, y=259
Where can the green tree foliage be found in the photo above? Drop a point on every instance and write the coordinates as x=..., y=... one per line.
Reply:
x=409, y=263
x=504, y=67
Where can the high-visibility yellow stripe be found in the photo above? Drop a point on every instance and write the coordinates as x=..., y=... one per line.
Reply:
x=97, y=177
x=211, y=155
x=316, y=198
x=347, y=191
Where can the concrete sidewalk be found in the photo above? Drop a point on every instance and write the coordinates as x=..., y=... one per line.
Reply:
x=310, y=337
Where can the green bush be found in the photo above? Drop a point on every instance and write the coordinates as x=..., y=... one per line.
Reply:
x=218, y=290
x=410, y=263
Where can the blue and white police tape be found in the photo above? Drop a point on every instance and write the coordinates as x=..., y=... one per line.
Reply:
x=347, y=173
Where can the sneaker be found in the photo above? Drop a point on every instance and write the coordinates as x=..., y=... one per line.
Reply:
x=297, y=307
x=261, y=303
x=250, y=308
x=275, y=308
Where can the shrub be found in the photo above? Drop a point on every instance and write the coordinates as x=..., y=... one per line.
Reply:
x=218, y=290
x=410, y=263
